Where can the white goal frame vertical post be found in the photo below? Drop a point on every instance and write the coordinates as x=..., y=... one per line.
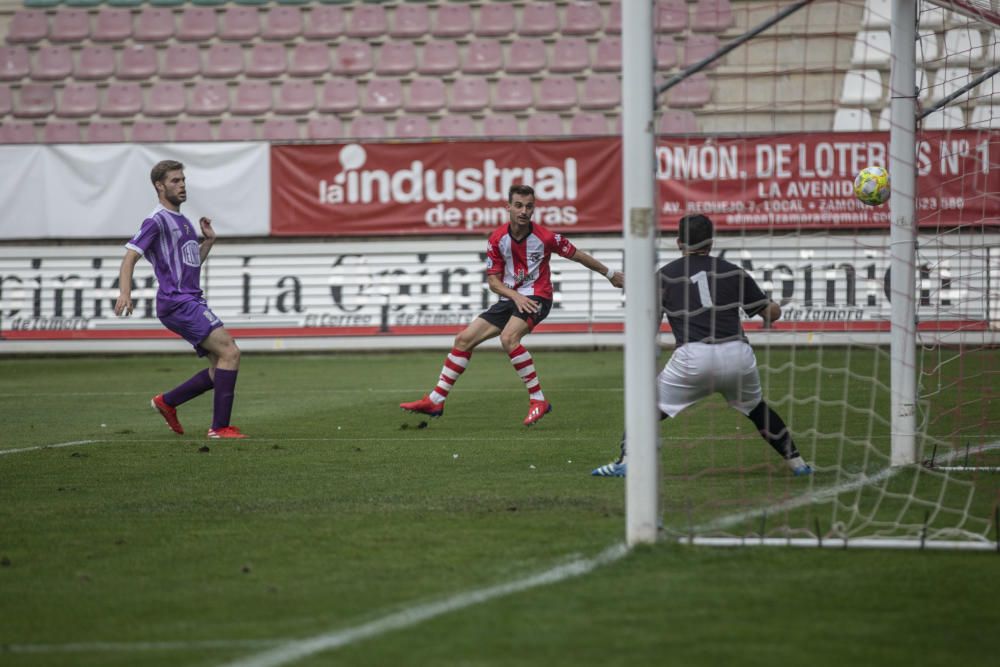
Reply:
x=642, y=314
x=903, y=236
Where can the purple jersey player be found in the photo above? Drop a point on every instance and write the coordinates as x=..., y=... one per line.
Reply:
x=169, y=241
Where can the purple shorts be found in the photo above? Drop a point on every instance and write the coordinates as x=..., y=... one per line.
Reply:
x=192, y=321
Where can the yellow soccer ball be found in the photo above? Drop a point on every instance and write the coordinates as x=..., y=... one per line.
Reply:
x=871, y=186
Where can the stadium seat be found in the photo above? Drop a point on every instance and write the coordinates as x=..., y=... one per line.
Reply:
x=310, y=59
x=237, y=129
x=985, y=117
x=164, y=98
x=601, y=91
x=70, y=24
x=963, y=46
x=927, y=47
x=6, y=100
x=852, y=120
x=455, y=125
x=281, y=129
x=61, y=132
x=324, y=22
x=295, y=97
x=122, y=98
x=181, y=61
x=185, y=130
x=677, y=121
x=694, y=91
x=495, y=20
x=396, y=58
x=78, y=100
x=613, y=26
x=353, y=57
x=712, y=16
x=862, y=87
x=155, y=131
x=52, y=63
x=588, y=123
x=267, y=59
x=223, y=61
x=988, y=92
x=368, y=21
x=483, y=56
x=582, y=18
x=339, y=96
x=17, y=133
x=570, y=54
x=501, y=126
x=197, y=24
x=871, y=49
x=15, y=64
x=425, y=95
x=27, y=27
x=282, y=24
x=105, y=132
x=154, y=24
x=947, y=81
x=439, y=57
x=699, y=47
x=410, y=21
x=513, y=94
x=138, y=61
x=666, y=52
x=876, y=14
x=252, y=98
x=469, y=94
x=671, y=15
x=369, y=127
x=609, y=55
x=112, y=24
x=526, y=56
x=95, y=62
x=453, y=20
x=539, y=18
x=947, y=118
x=208, y=98
x=556, y=93
x=543, y=125
x=239, y=24
x=412, y=127
x=383, y=96
x=324, y=128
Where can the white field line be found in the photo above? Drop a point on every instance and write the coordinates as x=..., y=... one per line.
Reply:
x=111, y=647
x=55, y=446
x=484, y=390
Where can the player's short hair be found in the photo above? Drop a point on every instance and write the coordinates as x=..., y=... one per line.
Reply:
x=695, y=231
x=161, y=168
x=523, y=190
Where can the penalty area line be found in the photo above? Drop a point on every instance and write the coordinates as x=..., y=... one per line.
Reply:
x=72, y=443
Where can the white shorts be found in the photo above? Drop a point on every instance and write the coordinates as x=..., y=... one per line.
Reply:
x=697, y=370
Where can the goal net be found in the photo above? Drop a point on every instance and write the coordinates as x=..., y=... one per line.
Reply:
x=767, y=141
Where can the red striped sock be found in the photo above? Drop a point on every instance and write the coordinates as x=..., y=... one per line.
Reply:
x=525, y=367
x=454, y=366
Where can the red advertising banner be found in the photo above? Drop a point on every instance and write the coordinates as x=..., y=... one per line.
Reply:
x=382, y=189
x=805, y=181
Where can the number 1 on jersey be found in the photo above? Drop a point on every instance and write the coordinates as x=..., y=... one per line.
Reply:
x=701, y=280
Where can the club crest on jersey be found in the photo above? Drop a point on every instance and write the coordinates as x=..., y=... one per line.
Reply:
x=535, y=257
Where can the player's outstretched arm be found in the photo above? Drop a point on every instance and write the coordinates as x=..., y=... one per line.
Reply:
x=124, y=302
x=208, y=238
x=617, y=278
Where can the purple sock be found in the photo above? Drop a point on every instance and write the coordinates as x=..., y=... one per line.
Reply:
x=225, y=392
x=197, y=385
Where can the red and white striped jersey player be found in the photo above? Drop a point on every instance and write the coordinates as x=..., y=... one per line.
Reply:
x=517, y=269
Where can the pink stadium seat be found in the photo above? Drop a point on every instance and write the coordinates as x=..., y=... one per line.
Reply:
x=237, y=129
x=410, y=21
x=614, y=24
x=95, y=62
x=181, y=61
x=383, y=96
x=483, y=56
x=36, y=100
x=223, y=60
x=267, y=59
x=239, y=23
x=15, y=63
x=152, y=131
x=495, y=20
x=208, y=98
x=369, y=127
x=310, y=59
x=426, y=95
x=164, y=98
x=457, y=126
x=396, y=58
x=582, y=18
x=557, y=93
x=78, y=100
x=677, y=121
x=191, y=130
x=526, y=56
x=694, y=91
x=70, y=24
x=52, y=63
x=712, y=16
x=27, y=26
x=324, y=22
x=698, y=47
x=61, y=132
x=609, y=55
x=324, y=128
x=589, y=123
x=439, y=57
x=412, y=127
x=154, y=24
x=453, y=20
x=17, y=133
x=671, y=15
x=544, y=124
x=105, y=132
x=572, y=54
x=281, y=129
x=601, y=91
x=539, y=18
x=295, y=97
x=367, y=21
x=666, y=52
x=113, y=24
x=283, y=23
x=501, y=126
x=6, y=100
x=137, y=62
x=122, y=99
x=470, y=94
x=339, y=96
x=198, y=24
x=353, y=57
x=252, y=98
x=513, y=94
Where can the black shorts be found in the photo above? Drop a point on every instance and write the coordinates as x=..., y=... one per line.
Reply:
x=500, y=313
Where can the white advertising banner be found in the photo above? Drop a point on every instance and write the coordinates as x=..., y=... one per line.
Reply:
x=102, y=191
x=363, y=295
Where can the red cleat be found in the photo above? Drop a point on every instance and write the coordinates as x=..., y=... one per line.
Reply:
x=424, y=406
x=169, y=413
x=537, y=410
x=225, y=432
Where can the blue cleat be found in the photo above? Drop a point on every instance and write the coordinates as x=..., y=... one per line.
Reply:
x=609, y=470
x=803, y=471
